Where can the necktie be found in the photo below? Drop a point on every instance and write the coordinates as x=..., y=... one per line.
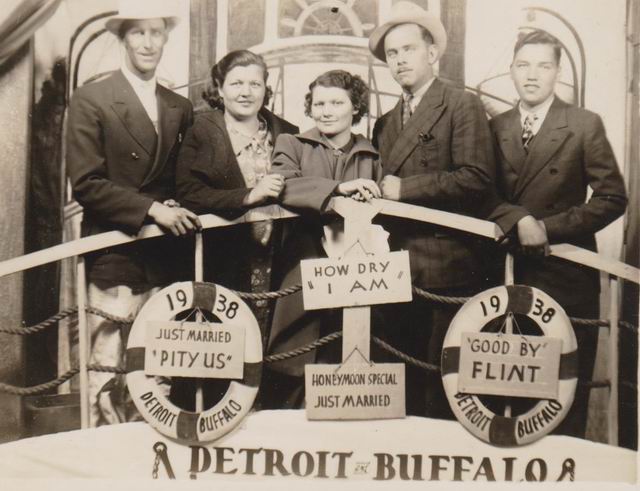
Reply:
x=527, y=131
x=406, y=108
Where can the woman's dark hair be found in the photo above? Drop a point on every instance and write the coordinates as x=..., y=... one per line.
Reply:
x=219, y=71
x=353, y=84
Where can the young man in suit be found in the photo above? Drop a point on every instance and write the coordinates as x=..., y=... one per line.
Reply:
x=436, y=151
x=548, y=154
x=123, y=136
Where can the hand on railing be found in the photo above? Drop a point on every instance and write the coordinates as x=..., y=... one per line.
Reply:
x=532, y=235
x=390, y=186
x=179, y=221
x=359, y=189
x=270, y=186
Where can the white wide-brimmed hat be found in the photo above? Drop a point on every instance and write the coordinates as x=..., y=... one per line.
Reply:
x=408, y=13
x=143, y=9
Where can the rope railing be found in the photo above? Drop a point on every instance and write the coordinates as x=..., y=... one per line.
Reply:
x=64, y=314
x=302, y=350
x=53, y=320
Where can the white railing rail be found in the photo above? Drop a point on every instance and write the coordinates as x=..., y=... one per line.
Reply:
x=393, y=208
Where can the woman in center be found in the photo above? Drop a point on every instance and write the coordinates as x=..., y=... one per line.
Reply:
x=328, y=160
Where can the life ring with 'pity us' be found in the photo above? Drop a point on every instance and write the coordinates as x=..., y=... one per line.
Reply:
x=150, y=393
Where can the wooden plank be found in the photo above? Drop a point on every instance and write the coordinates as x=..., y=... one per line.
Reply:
x=356, y=321
x=453, y=15
x=509, y=279
x=199, y=276
x=391, y=208
x=596, y=261
x=16, y=88
x=356, y=334
x=439, y=217
x=84, y=342
x=202, y=51
x=612, y=362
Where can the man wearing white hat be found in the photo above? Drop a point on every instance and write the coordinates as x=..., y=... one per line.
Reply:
x=123, y=137
x=436, y=151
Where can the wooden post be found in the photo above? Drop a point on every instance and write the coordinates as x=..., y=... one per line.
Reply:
x=613, y=356
x=508, y=323
x=203, y=46
x=16, y=88
x=84, y=340
x=199, y=275
x=199, y=258
x=356, y=321
x=453, y=14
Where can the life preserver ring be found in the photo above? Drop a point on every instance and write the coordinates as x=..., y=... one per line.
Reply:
x=154, y=406
x=468, y=408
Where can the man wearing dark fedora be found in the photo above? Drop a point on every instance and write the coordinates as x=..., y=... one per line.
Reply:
x=123, y=136
x=436, y=152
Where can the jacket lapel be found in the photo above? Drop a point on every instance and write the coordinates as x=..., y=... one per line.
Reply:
x=390, y=136
x=132, y=114
x=323, y=164
x=352, y=168
x=230, y=160
x=274, y=123
x=547, y=142
x=170, y=117
x=510, y=141
x=421, y=122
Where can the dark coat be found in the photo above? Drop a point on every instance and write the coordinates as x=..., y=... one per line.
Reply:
x=119, y=166
x=445, y=160
x=310, y=182
x=570, y=153
x=209, y=180
x=308, y=170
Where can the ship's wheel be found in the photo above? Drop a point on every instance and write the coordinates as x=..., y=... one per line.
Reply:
x=327, y=17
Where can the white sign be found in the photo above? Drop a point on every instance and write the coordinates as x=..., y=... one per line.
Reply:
x=356, y=281
x=194, y=349
x=509, y=365
x=355, y=391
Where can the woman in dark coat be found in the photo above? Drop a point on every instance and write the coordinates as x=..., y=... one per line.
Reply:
x=328, y=160
x=223, y=168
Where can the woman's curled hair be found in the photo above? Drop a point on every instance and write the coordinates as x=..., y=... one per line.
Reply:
x=353, y=84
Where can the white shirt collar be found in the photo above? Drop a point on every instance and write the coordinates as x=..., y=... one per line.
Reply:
x=145, y=90
x=136, y=82
x=540, y=111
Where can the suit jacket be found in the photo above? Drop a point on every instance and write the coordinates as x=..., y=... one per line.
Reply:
x=445, y=159
x=119, y=166
x=570, y=153
x=209, y=180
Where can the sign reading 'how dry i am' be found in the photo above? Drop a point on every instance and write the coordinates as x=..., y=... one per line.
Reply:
x=329, y=283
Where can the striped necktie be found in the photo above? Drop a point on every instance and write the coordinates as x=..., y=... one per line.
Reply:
x=406, y=108
x=527, y=131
